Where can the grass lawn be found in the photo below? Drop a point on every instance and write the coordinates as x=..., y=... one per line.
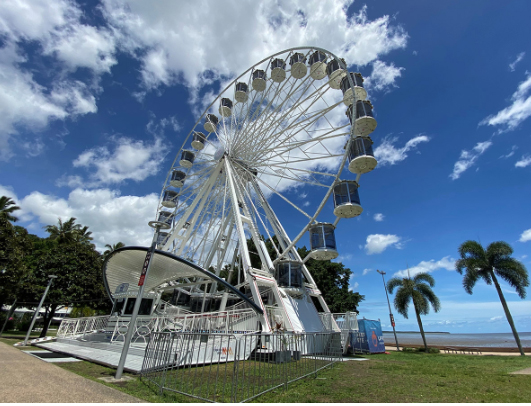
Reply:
x=397, y=377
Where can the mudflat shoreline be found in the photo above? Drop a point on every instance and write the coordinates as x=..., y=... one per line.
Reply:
x=463, y=347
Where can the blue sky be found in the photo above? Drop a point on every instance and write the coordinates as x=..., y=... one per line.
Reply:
x=96, y=99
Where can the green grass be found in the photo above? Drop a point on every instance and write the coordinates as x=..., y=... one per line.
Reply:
x=22, y=334
x=397, y=377
x=415, y=377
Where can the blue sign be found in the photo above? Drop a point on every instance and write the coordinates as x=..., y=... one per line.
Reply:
x=369, y=338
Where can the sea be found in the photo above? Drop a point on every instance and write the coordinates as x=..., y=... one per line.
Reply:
x=505, y=340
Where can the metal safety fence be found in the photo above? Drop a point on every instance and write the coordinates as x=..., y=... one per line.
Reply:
x=235, y=368
x=71, y=328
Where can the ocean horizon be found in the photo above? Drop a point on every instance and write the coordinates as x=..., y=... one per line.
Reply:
x=505, y=340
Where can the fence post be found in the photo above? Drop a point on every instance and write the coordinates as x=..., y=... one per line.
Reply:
x=315, y=354
x=166, y=359
x=235, y=370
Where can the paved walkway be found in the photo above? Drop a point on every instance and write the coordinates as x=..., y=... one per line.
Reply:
x=27, y=379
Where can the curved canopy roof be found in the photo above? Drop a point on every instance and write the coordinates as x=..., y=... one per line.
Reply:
x=124, y=265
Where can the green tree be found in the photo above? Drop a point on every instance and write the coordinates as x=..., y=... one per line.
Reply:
x=66, y=232
x=111, y=248
x=418, y=290
x=332, y=278
x=489, y=264
x=7, y=207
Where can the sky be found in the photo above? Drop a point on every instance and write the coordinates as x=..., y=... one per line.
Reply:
x=96, y=99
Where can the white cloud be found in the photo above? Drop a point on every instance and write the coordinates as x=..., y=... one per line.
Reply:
x=383, y=76
x=519, y=57
x=355, y=286
x=109, y=216
x=523, y=162
x=377, y=243
x=366, y=271
x=510, y=117
x=387, y=153
x=526, y=236
x=129, y=159
x=161, y=36
x=56, y=29
x=378, y=217
x=495, y=318
x=511, y=153
x=428, y=266
x=468, y=158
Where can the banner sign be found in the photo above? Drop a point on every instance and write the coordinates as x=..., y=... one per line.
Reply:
x=144, y=269
x=369, y=338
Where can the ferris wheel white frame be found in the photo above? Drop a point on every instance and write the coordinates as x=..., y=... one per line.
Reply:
x=223, y=197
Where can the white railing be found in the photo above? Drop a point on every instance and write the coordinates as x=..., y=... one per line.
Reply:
x=235, y=321
x=80, y=326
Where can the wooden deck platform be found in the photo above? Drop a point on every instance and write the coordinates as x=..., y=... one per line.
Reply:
x=104, y=353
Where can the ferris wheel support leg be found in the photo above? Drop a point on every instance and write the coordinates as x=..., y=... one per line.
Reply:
x=244, y=251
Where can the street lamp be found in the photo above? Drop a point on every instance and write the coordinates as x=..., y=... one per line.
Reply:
x=389, y=304
x=52, y=277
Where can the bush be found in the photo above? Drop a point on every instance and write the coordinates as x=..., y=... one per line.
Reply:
x=422, y=349
x=10, y=325
x=24, y=322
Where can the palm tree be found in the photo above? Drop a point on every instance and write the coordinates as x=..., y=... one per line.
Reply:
x=7, y=206
x=419, y=290
x=82, y=235
x=112, y=248
x=64, y=232
x=496, y=260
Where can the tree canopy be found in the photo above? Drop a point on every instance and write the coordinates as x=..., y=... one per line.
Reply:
x=27, y=260
x=489, y=264
x=416, y=290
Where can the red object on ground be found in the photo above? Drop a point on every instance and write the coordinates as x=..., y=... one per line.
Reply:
x=387, y=353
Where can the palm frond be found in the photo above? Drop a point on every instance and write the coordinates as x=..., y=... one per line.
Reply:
x=424, y=277
x=421, y=303
x=471, y=248
x=401, y=302
x=497, y=251
x=426, y=291
x=393, y=283
x=515, y=274
x=469, y=280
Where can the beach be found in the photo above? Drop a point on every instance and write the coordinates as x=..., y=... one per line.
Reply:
x=485, y=342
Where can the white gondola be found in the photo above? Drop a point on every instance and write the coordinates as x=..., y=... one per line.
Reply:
x=225, y=107
x=259, y=80
x=335, y=73
x=359, y=92
x=365, y=121
x=323, y=242
x=169, y=199
x=161, y=238
x=211, y=122
x=297, y=62
x=177, y=178
x=187, y=159
x=164, y=220
x=278, y=70
x=360, y=155
x=241, y=95
x=198, y=141
x=347, y=200
x=318, y=65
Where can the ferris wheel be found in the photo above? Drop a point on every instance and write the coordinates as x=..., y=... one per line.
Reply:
x=272, y=145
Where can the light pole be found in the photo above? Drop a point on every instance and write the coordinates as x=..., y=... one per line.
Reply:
x=52, y=277
x=389, y=304
x=132, y=323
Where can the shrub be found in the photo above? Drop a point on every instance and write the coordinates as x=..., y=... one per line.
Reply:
x=24, y=322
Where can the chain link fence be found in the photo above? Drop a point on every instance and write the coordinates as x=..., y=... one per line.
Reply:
x=232, y=367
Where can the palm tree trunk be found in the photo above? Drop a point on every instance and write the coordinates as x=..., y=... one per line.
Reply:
x=507, y=313
x=420, y=325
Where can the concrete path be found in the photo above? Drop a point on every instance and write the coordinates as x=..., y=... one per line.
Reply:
x=26, y=379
